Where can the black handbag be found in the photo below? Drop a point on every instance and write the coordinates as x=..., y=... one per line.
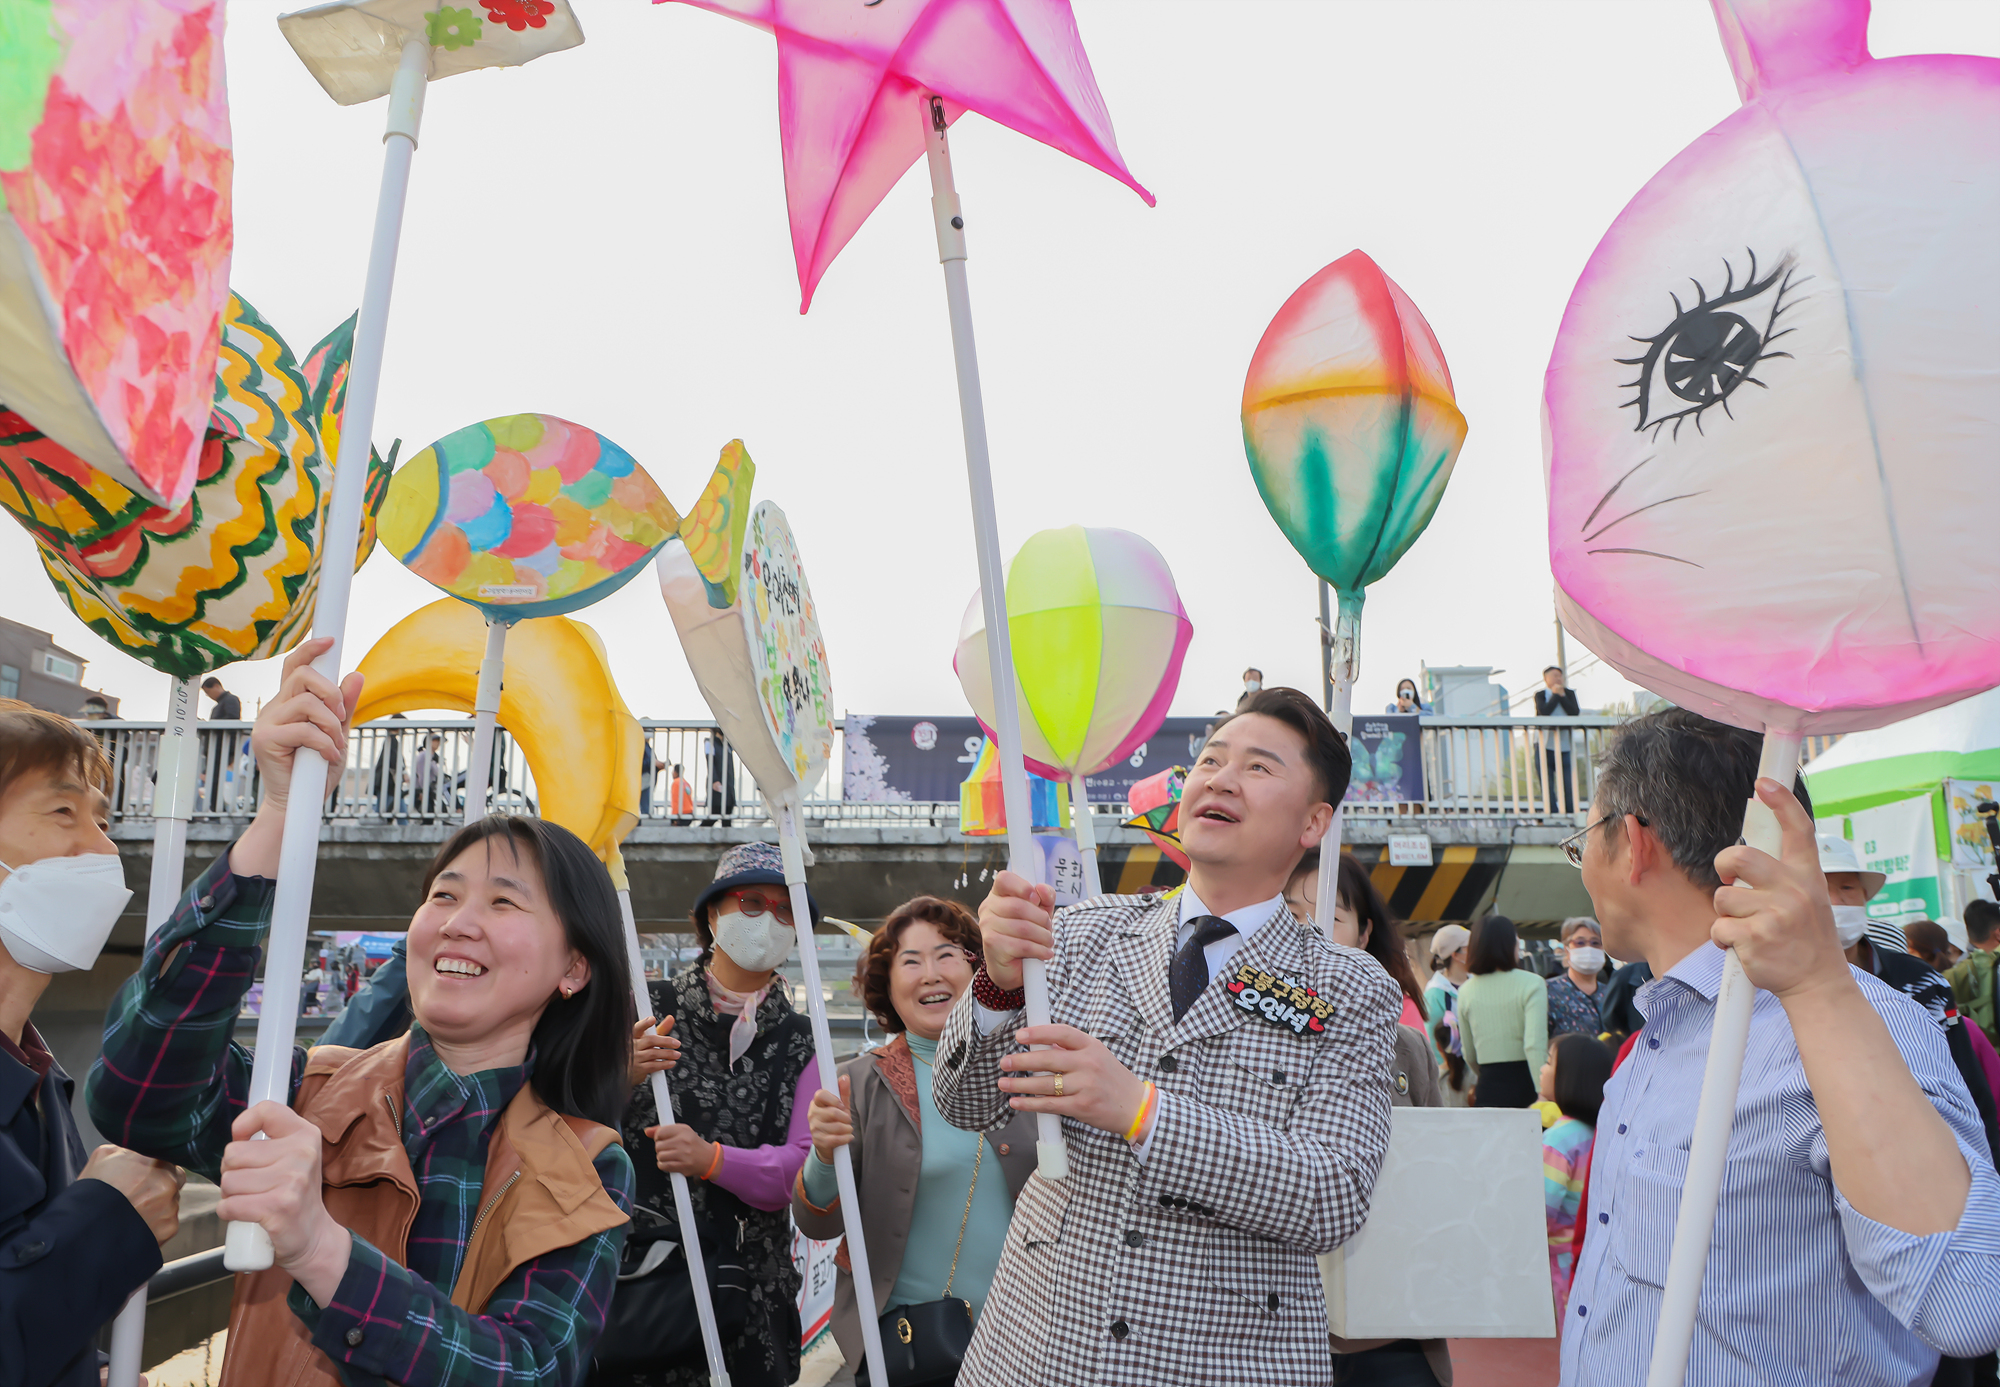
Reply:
x=924, y=1345
x=652, y=1323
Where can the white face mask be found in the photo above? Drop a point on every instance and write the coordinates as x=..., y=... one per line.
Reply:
x=1850, y=922
x=1585, y=959
x=1253, y=685
x=756, y=944
x=55, y=914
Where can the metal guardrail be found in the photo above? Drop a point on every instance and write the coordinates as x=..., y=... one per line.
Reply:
x=187, y=1274
x=413, y=771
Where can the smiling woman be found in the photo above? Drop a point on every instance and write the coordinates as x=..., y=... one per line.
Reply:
x=449, y=1200
x=935, y=1210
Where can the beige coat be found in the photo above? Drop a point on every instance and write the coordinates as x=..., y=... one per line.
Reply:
x=888, y=1152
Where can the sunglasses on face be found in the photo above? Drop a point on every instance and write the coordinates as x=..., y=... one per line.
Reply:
x=754, y=905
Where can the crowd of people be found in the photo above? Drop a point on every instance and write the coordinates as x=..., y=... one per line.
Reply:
x=471, y=1182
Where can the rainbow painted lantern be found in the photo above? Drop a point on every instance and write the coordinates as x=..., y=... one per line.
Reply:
x=1155, y=803
x=982, y=811
x=1350, y=423
x=1099, y=634
x=527, y=515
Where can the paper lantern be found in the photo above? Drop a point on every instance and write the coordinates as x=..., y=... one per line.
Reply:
x=1350, y=423
x=351, y=46
x=1770, y=414
x=1099, y=634
x=1155, y=803
x=759, y=660
x=558, y=701
x=115, y=170
x=526, y=515
x=325, y=371
x=982, y=813
x=231, y=573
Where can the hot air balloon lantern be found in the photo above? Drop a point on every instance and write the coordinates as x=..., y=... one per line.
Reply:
x=1351, y=429
x=1099, y=634
x=1769, y=428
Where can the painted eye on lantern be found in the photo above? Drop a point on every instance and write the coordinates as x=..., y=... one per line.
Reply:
x=1699, y=359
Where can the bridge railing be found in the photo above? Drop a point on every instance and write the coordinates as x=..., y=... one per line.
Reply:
x=413, y=771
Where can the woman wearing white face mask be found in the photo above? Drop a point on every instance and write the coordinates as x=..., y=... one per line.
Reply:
x=1573, y=993
x=745, y=1078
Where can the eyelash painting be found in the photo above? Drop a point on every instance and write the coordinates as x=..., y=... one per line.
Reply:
x=1707, y=351
x=1772, y=408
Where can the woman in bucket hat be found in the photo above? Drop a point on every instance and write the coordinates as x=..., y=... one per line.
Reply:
x=741, y=1089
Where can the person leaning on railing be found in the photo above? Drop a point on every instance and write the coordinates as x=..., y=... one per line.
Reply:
x=933, y=1219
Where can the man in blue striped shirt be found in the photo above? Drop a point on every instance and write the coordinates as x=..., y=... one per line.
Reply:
x=1858, y=1234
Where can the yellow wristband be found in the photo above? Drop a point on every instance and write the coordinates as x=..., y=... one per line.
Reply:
x=1145, y=1113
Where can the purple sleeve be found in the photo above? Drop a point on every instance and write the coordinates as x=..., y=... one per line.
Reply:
x=761, y=1176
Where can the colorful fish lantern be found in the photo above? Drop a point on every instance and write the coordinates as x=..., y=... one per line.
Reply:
x=325, y=371
x=115, y=231
x=1155, y=803
x=1769, y=430
x=526, y=515
x=229, y=574
x=982, y=811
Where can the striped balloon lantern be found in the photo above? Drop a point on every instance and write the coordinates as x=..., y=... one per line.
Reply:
x=1099, y=634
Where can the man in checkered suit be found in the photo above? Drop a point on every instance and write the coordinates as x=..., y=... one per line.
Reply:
x=1221, y=1071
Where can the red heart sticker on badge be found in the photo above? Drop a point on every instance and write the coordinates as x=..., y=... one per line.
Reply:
x=1313, y=1023
x=1236, y=986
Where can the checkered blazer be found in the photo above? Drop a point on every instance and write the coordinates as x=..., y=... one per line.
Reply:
x=1196, y=1265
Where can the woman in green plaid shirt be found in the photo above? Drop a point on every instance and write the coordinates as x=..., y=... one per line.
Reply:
x=447, y=1207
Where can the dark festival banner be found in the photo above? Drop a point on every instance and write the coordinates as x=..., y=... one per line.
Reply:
x=1388, y=760
x=901, y=760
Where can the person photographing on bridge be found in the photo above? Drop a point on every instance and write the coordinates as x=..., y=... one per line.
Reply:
x=1222, y=1069
x=448, y=1206
x=77, y=1236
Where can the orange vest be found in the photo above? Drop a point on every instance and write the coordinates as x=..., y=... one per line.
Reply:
x=541, y=1193
x=680, y=797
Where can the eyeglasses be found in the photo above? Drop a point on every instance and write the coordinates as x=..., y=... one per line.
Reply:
x=1572, y=846
x=754, y=906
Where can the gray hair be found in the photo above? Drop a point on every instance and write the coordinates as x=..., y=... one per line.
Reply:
x=1577, y=922
x=1688, y=777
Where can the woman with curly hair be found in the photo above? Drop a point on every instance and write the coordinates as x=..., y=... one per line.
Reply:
x=938, y=1234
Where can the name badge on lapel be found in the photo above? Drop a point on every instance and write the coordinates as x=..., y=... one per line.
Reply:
x=1279, y=1000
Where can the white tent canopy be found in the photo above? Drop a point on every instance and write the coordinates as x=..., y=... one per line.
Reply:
x=1970, y=725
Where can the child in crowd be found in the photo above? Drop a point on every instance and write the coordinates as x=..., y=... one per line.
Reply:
x=1573, y=1079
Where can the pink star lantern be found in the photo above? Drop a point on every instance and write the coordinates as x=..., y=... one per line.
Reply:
x=850, y=82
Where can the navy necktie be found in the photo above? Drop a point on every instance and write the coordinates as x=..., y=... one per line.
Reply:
x=1189, y=973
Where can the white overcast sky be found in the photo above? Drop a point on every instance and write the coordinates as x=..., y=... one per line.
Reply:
x=602, y=235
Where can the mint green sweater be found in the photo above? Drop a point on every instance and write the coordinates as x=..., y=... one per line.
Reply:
x=1505, y=1016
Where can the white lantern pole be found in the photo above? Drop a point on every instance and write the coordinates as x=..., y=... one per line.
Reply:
x=1052, y=1157
x=663, y=1105
x=247, y=1246
x=485, y=711
x=173, y=801
x=1708, y=1149
x=1346, y=661
x=1086, y=835
x=790, y=847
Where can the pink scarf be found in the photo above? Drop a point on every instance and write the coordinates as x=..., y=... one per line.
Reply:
x=741, y=1005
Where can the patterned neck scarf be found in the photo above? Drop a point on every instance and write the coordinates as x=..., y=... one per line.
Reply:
x=741, y=1005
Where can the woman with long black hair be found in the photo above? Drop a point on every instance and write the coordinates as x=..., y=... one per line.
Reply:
x=448, y=1206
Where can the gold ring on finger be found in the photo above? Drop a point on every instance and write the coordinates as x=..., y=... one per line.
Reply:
x=1059, y=1092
